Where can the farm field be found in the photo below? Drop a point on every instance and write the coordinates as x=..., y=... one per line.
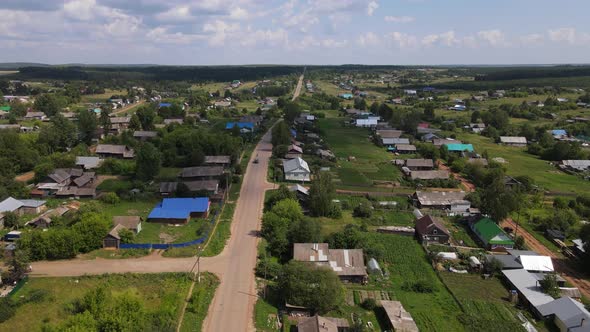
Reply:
x=372, y=163
x=521, y=163
x=101, y=98
x=52, y=301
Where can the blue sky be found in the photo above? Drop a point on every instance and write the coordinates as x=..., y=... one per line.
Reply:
x=213, y=32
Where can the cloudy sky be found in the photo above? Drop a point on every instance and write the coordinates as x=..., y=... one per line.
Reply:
x=209, y=32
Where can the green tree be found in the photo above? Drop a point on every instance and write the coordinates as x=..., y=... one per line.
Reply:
x=321, y=194
x=278, y=195
x=146, y=116
x=281, y=134
x=87, y=125
x=91, y=230
x=18, y=109
x=304, y=230
x=311, y=286
x=182, y=190
x=48, y=104
x=10, y=219
x=105, y=121
x=60, y=135
x=126, y=235
x=134, y=123
x=291, y=111
x=147, y=162
x=549, y=285
x=429, y=111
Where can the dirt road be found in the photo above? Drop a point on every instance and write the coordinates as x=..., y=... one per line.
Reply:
x=468, y=186
x=298, y=88
x=560, y=263
x=127, y=108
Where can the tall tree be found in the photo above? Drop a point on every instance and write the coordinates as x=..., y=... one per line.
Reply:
x=87, y=125
x=105, y=121
x=47, y=103
x=134, y=123
x=146, y=116
x=147, y=162
x=321, y=194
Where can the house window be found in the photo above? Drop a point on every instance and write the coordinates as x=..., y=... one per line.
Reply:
x=434, y=231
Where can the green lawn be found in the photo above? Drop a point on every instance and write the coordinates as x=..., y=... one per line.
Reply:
x=520, y=162
x=484, y=302
x=406, y=261
x=371, y=163
x=164, y=233
x=129, y=208
x=198, y=305
x=156, y=292
x=265, y=316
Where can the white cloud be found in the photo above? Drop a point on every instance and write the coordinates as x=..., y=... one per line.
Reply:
x=270, y=37
x=563, y=35
x=219, y=31
x=403, y=40
x=331, y=43
x=399, y=19
x=371, y=7
x=446, y=38
x=176, y=14
x=492, y=37
x=532, y=39
x=302, y=21
x=239, y=13
x=368, y=39
x=83, y=10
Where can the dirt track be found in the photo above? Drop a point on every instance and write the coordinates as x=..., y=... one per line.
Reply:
x=574, y=277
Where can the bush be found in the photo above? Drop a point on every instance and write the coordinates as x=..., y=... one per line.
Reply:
x=363, y=210
x=369, y=304
x=7, y=309
x=335, y=211
x=110, y=198
x=419, y=286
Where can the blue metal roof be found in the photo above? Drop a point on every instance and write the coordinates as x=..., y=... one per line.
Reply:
x=179, y=208
x=240, y=125
x=459, y=147
x=559, y=132
x=165, y=104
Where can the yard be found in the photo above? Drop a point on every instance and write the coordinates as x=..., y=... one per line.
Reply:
x=51, y=301
x=520, y=162
x=371, y=163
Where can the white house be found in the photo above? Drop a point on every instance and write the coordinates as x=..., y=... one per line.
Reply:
x=296, y=170
x=366, y=122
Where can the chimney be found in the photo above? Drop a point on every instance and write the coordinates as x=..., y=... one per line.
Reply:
x=583, y=321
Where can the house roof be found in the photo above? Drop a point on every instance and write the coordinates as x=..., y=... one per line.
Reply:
x=491, y=232
x=142, y=133
x=389, y=133
x=536, y=263
x=395, y=141
x=32, y=203
x=508, y=261
x=217, y=159
x=59, y=175
x=429, y=175
x=577, y=164
x=347, y=262
x=114, y=232
x=295, y=148
x=513, y=139
x=527, y=285
x=120, y=119
x=240, y=125
x=569, y=311
x=165, y=104
x=428, y=222
x=179, y=208
x=10, y=205
x=115, y=149
x=459, y=147
x=129, y=222
x=88, y=162
x=439, y=197
x=294, y=164
x=559, y=132
x=209, y=185
x=83, y=180
x=299, y=188
x=35, y=115
x=321, y=324
x=200, y=171
x=419, y=163
x=405, y=147
x=400, y=319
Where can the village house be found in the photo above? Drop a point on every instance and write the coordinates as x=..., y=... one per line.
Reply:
x=491, y=235
x=119, y=124
x=66, y=182
x=567, y=314
x=326, y=154
x=36, y=116
x=88, y=163
x=430, y=230
x=366, y=123
x=440, y=200
x=459, y=148
x=389, y=133
x=114, y=151
x=144, y=135
x=179, y=210
x=224, y=161
x=113, y=240
x=296, y=170
x=300, y=191
x=294, y=152
x=201, y=173
x=322, y=324
x=477, y=127
x=391, y=142
x=419, y=164
x=132, y=223
x=44, y=221
x=210, y=186
x=399, y=318
x=516, y=141
x=429, y=175
x=575, y=165
x=349, y=264
x=404, y=148
x=255, y=119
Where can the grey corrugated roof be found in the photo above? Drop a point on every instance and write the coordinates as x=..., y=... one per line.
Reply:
x=513, y=139
x=10, y=205
x=199, y=171
x=293, y=164
x=508, y=261
x=88, y=162
x=568, y=310
x=35, y=203
x=527, y=285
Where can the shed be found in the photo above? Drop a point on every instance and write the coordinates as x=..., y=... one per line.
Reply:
x=373, y=267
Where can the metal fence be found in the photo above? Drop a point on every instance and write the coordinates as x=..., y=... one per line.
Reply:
x=164, y=246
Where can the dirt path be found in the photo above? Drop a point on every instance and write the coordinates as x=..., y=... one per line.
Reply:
x=560, y=263
x=467, y=185
x=25, y=177
x=127, y=108
x=298, y=88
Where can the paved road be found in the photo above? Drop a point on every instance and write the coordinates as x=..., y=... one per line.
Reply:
x=298, y=88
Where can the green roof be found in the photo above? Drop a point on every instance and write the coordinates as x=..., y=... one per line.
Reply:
x=490, y=232
x=459, y=147
x=5, y=108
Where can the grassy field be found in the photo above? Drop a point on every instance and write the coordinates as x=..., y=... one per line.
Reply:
x=222, y=232
x=484, y=302
x=157, y=292
x=128, y=208
x=103, y=97
x=198, y=305
x=522, y=163
x=371, y=163
x=265, y=316
x=406, y=261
